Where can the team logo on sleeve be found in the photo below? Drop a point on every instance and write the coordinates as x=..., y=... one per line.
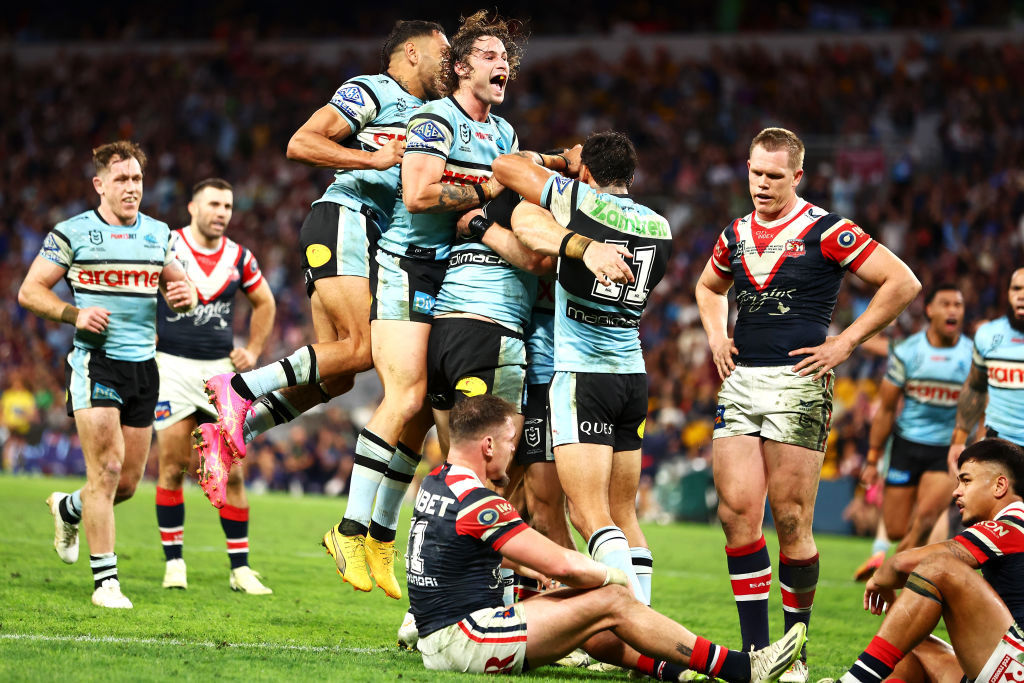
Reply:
x=846, y=238
x=428, y=132
x=487, y=517
x=352, y=93
x=561, y=182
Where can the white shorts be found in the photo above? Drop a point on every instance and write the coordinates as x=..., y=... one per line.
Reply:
x=491, y=640
x=1004, y=666
x=181, y=387
x=777, y=404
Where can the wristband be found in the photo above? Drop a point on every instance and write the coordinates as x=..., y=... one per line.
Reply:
x=565, y=243
x=574, y=245
x=959, y=437
x=873, y=456
x=480, y=194
x=69, y=315
x=478, y=226
x=562, y=157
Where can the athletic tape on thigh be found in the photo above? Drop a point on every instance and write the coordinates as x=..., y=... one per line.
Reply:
x=923, y=586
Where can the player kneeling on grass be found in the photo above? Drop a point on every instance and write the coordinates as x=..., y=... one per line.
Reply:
x=462, y=532
x=982, y=613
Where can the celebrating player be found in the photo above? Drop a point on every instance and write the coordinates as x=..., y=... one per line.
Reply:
x=940, y=581
x=116, y=259
x=787, y=259
x=193, y=347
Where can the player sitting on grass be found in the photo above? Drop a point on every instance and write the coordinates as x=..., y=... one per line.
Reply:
x=462, y=530
x=981, y=612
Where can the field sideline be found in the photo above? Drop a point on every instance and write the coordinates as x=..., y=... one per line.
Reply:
x=314, y=626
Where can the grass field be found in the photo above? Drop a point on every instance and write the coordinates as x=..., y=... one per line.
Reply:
x=314, y=626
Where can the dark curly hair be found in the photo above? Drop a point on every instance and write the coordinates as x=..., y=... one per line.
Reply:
x=611, y=158
x=480, y=24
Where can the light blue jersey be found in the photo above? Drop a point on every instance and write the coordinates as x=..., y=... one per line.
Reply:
x=540, y=334
x=116, y=267
x=999, y=349
x=443, y=129
x=479, y=281
x=597, y=327
x=931, y=378
x=377, y=109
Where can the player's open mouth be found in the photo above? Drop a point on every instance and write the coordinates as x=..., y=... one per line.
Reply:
x=952, y=322
x=499, y=81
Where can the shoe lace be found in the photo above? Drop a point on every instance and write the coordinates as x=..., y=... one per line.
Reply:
x=68, y=533
x=386, y=553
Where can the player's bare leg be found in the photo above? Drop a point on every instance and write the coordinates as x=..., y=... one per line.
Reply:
x=546, y=503
x=934, y=491
x=897, y=507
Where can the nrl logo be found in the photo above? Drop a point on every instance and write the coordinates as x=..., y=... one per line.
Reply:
x=532, y=436
x=464, y=133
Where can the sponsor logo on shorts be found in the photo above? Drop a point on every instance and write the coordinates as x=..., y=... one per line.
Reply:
x=641, y=428
x=719, y=417
x=897, y=477
x=102, y=393
x=499, y=666
x=317, y=255
x=162, y=410
x=423, y=303
x=595, y=428
x=471, y=386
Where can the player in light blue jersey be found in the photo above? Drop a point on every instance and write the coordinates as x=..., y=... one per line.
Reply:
x=116, y=260
x=997, y=374
x=926, y=371
x=410, y=263
x=598, y=395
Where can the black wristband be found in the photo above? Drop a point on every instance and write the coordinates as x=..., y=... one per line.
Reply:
x=562, y=157
x=478, y=226
x=565, y=243
x=481, y=195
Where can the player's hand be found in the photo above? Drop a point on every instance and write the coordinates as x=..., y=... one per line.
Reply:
x=243, y=359
x=462, y=225
x=869, y=475
x=616, y=576
x=821, y=359
x=952, y=457
x=604, y=260
x=389, y=155
x=722, y=353
x=877, y=598
x=180, y=295
x=572, y=156
x=93, y=319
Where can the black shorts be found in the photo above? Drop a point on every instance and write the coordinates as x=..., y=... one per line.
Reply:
x=600, y=408
x=95, y=381
x=404, y=288
x=337, y=240
x=467, y=357
x=535, y=444
x=908, y=460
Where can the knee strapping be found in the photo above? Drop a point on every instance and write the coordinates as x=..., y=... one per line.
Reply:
x=924, y=587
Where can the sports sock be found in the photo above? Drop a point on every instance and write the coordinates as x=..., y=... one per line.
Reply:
x=267, y=412
x=798, y=579
x=104, y=566
x=881, y=545
x=170, y=519
x=235, y=523
x=70, y=507
x=719, y=662
x=524, y=587
x=373, y=454
x=391, y=493
x=750, y=571
x=643, y=567
x=659, y=669
x=609, y=546
x=875, y=663
x=298, y=368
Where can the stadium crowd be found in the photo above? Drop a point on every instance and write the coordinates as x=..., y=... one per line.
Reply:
x=922, y=145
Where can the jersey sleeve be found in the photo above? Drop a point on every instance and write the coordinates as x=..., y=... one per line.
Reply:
x=994, y=538
x=896, y=370
x=356, y=101
x=560, y=196
x=978, y=352
x=428, y=133
x=720, y=258
x=847, y=244
x=250, y=271
x=490, y=518
x=57, y=249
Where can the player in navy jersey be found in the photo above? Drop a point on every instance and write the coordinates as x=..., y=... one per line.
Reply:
x=996, y=376
x=462, y=532
x=787, y=260
x=360, y=132
x=116, y=261
x=449, y=146
x=192, y=347
x=926, y=371
x=598, y=394
x=940, y=581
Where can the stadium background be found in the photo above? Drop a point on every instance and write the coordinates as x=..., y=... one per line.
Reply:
x=911, y=112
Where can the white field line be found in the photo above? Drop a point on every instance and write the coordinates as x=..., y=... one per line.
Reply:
x=169, y=642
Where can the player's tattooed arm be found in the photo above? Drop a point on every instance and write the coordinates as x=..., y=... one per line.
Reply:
x=972, y=400
x=961, y=553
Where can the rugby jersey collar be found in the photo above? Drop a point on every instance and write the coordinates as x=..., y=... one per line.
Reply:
x=1014, y=509
x=138, y=217
x=186, y=234
x=462, y=470
x=466, y=114
x=399, y=84
x=800, y=205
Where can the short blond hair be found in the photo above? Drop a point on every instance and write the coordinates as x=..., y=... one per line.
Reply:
x=775, y=139
x=121, y=150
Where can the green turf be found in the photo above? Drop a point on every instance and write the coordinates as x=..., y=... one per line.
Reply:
x=314, y=626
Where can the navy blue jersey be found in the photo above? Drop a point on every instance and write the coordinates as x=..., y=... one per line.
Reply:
x=787, y=275
x=205, y=332
x=453, y=555
x=116, y=267
x=998, y=545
